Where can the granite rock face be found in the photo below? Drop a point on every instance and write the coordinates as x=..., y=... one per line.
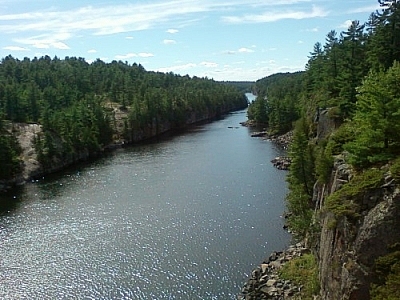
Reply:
x=348, y=247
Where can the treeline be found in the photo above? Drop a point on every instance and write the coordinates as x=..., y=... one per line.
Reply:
x=74, y=102
x=353, y=78
x=277, y=103
x=333, y=73
x=243, y=86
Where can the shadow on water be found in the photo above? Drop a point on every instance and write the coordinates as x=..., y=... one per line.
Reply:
x=10, y=200
x=49, y=184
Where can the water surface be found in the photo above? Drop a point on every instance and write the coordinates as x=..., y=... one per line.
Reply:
x=185, y=218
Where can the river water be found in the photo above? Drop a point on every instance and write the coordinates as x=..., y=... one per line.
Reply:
x=187, y=217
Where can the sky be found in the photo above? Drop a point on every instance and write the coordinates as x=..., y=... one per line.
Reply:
x=230, y=40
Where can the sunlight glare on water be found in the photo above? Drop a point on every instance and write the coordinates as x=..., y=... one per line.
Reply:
x=185, y=218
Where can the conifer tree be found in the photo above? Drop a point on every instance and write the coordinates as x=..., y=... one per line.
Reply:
x=377, y=118
x=301, y=179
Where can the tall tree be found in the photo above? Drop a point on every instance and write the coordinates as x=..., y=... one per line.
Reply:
x=301, y=179
x=377, y=118
x=384, y=45
x=331, y=64
x=353, y=66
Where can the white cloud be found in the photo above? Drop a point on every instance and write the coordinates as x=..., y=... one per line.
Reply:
x=132, y=55
x=240, y=50
x=92, y=51
x=245, y=50
x=15, y=48
x=169, y=42
x=51, y=28
x=177, y=68
x=346, y=24
x=125, y=56
x=273, y=16
x=144, y=54
x=45, y=41
x=209, y=64
x=60, y=45
x=40, y=45
x=365, y=9
x=102, y=20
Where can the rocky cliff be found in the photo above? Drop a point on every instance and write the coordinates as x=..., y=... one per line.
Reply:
x=349, y=244
x=359, y=221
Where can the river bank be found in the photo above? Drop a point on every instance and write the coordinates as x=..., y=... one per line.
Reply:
x=182, y=218
x=32, y=169
x=282, y=140
x=266, y=282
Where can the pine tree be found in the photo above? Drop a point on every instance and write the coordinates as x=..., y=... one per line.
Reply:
x=377, y=118
x=301, y=180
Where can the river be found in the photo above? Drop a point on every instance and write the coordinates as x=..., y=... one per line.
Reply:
x=187, y=217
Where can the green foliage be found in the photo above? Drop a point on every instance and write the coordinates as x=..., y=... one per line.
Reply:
x=301, y=180
x=346, y=200
x=303, y=271
x=326, y=149
x=395, y=169
x=384, y=44
x=377, y=119
x=277, y=101
x=10, y=163
x=323, y=163
x=300, y=215
x=69, y=98
x=302, y=156
x=341, y=136
x=387, y=268
x=257, y=110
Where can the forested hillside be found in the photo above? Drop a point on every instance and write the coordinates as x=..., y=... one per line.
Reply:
x=345, y=113
x=82, y=107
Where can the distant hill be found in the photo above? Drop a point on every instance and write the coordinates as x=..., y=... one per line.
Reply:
x=243, y=86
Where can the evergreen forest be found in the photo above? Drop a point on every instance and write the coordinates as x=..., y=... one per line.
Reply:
x=353, y=78
x=75, y=103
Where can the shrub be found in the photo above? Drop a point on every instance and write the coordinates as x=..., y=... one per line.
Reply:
x=344, y=202
x=387, y=268
x=395, y=169
x=303, y=271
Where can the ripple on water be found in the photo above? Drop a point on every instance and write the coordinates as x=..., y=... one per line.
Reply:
x=176, y=220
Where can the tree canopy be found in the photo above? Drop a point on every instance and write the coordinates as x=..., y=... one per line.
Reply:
x=353, y=79
x=75, y=101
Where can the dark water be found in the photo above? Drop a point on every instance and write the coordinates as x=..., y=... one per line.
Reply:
x=185, y=218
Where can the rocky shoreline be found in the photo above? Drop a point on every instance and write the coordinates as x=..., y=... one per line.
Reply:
x=281, y=162
x=283, y=140
x=265, y=281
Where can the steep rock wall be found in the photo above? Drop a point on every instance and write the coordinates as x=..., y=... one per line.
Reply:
x=347, y=247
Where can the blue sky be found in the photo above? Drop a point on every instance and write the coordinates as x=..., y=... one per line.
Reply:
x=224, y=40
